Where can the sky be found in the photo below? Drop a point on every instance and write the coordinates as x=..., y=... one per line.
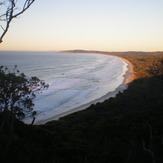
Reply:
x=107, y=25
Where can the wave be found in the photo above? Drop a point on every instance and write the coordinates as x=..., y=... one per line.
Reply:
x=74, y=79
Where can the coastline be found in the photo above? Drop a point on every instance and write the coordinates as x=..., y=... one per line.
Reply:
x=128, y=77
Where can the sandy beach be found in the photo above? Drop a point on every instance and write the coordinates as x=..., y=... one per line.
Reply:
x=128, y=77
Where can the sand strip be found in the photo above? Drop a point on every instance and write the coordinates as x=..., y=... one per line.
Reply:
x=128, y=77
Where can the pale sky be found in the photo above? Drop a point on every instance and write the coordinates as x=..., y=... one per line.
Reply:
x=110, y=25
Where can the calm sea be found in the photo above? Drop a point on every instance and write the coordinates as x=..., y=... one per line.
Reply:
x=74, y=79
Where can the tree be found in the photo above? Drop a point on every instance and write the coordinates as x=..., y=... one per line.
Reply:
x=10, y=9
x=156, y=68
x=16, y=96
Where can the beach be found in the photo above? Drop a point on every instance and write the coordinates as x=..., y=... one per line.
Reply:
x=128, y=77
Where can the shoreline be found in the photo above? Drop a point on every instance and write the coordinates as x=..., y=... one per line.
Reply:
x=128, y=77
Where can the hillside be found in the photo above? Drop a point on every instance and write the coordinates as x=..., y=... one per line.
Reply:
x=125, y=129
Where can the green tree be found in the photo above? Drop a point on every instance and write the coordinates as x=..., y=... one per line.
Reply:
x=9, y=10
x=16, y=96
x=156, y=67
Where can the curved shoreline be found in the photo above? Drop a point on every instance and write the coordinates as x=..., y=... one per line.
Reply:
x=128, y=77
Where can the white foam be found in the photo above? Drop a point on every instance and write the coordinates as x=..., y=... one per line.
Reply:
x=79, y=86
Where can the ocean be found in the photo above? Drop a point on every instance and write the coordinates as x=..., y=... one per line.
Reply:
x=74, y=79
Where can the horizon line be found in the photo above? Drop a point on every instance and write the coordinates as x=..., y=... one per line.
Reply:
x=79, y=50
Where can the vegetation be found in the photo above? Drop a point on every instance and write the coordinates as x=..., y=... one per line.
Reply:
x=125, y=129
x=16, y=98
x=142, y=61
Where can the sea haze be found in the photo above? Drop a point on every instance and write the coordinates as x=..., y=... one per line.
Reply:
x=74, y=79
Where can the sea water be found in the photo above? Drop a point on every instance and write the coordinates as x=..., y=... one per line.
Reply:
x=74, y=79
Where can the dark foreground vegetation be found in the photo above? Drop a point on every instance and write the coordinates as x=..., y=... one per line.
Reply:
x=125, y=129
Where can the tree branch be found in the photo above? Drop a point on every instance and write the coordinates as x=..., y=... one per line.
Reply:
x=26, y=6
x=2, y=27
x=9, y=15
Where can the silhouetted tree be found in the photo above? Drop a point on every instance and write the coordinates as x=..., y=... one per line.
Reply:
x=10, y=9
x=16, y=96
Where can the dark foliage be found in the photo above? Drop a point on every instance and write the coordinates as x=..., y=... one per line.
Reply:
x=125, y=129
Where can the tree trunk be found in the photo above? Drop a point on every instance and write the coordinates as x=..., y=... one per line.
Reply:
x=33, y=120
x=5, y=118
